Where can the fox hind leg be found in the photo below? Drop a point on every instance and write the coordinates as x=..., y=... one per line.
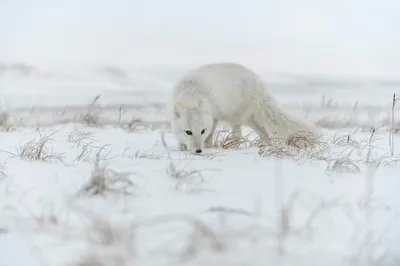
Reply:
x=260, y=129
x=236, y=131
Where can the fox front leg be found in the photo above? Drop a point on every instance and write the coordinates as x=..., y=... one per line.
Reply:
x=208, y=143
x=182, y=147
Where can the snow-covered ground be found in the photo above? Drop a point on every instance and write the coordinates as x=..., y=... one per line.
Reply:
x=94, y=184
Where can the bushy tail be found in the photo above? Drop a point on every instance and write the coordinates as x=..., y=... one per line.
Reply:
x=282, y=121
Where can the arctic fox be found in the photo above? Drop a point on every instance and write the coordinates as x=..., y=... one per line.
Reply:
x=226, y=92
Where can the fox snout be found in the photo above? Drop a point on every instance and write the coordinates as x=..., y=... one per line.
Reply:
x=197, y=148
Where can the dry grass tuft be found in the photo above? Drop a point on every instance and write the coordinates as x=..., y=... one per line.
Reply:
x=84, y=141
x=202, y=237
x=274, y=146
x=110, y=244
x=277, y=148
x=341, y=139
x=212, y=155
x=37, y=150
x=342, y=152
x=89, y=151
x=5, y=122
x=137, y=124
x=343, y=165
x=105, y=233
x=224, y=139
x=80, y=138
x=301, y=140
x=92, y=115
x=296, y=145
x=104, y=180
x=143, y=155
x=228, y=141
x=134, y=125
x=182, y=177
x=146, y=155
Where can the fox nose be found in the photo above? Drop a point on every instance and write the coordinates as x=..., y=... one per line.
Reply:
x=198, y=151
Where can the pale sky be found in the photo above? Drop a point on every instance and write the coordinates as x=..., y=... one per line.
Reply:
x=300, y=36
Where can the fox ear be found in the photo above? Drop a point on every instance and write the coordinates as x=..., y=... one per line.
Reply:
x=177, y=110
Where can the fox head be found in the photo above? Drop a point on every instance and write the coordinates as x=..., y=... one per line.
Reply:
x=192, y=124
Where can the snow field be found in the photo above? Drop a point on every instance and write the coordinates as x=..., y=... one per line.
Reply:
x=94, y=184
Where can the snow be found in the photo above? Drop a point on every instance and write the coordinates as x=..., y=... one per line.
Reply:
x=229, y=207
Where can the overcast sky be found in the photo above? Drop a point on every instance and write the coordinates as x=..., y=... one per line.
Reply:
x=303, y=36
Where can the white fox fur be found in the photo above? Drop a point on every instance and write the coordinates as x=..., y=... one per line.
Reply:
x=227, y=92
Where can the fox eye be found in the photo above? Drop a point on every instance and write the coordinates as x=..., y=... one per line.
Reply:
x=202, y=132
x=188, y=132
